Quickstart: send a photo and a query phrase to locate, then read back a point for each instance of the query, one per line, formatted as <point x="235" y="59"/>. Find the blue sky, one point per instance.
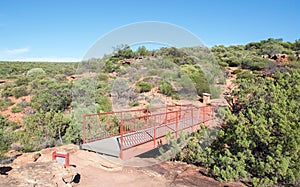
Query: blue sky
<point x="63" y="30"/>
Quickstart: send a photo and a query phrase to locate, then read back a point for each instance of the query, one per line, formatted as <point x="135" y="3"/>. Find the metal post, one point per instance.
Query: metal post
<point x="166" y="120"/>
<point x="192" y="118"/>
<point x="121" y="136"/>
<point x="121" y="139"/>
<point x="84" y="129"/>
<point x="67" y="163"/>
<point x="154" y="138"/>
<point x="54" y="155"/>
<point x="176" y="124"/>
<point x="203" y="114"/>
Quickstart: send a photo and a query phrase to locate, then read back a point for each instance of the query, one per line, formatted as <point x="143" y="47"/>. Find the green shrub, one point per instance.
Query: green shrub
<point x="7" y="89"/>
<point x="135" y="103"/>
<point x="111" y="67"/>
<point x="19" y="91"/>
<point x="223" y="64"/>
<point x="259" y="138"/>
<point x="16" y="109"/>
<point x="154" y="72"/>
<point x="4" y="103"/>
<point x="44" y="130"/>
<point x="52" y="96"/>
<point x="197" y="76"/>
<point x="215" y="91"/>
<point x="104" y="104"/>
<point x="143" y="87"/>
<point x="246" y="74"/>
<point x="233" y="62"/>
<point x="60" y="77"/>
<point x="292" y="58"/>
<point x="73" y="132"/>
<point x="122" y="52"/>
<point x="294" y="64"/>
<point x="7" y="93"/>
<point x="166" y="88"/>
<point x="237" y="71"/>
<point x="255" y="63"/>
<point x="6" y="134"/>
<point x="256" y="72"/>
<point x="103" y="77"/>
<point x="176" y="96"/>
<point x="35" y="72"/>
<point x="22" y="81"/>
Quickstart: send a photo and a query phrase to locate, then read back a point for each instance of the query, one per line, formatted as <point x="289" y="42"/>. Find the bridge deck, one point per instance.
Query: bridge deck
<point x="141" y="141"/>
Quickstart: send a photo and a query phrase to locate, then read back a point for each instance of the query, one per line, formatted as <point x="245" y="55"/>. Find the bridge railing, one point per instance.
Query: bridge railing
<point x="136" y="131"/>
<point x="119" y="123"/>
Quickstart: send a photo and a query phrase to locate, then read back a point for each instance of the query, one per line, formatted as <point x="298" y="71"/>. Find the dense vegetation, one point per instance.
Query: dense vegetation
<point x="249" y="55"/>
<point x="6" y="129"/>
<point x="44" y="122"/>
<point x="258" y="142"/>
<point x="48" y="96"/>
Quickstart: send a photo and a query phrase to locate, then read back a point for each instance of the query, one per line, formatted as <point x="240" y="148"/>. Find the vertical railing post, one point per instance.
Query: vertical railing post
<point x="213" y="112"/>
<point x="147" y="119"/>
<point x="203" y="114"/>
<point x="54" y="155"/>
<point x="154" y="133"/>
<point x="177" y="124"/>
<point x="67" y="162"/>
<point x="121" y="136"/>
<point x="84" y="128"/>
<point x="166" y="120"/>
<point x="192" y="114"/>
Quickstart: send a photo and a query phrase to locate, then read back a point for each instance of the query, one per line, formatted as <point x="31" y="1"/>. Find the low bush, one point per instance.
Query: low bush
<point x="35" y="72"/>
<point x="245" y="75"/>
<point x="19" y="91"/>
<point x="4" y="103"/>
<point x="143" y="87"/>
<point x="22" y="81"/>
<point x="16" y="109"/>
<point x="237" y="71"/>
<point x="167" y="89"/>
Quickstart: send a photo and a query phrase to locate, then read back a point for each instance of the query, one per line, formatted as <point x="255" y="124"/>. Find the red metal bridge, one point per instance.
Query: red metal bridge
<point x="129" y="133"/>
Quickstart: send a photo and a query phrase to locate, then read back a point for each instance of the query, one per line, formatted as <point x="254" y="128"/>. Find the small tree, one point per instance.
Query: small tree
<point x="142" y="51"/>
<point x="35" y="72"/>
<point x="143" y="87"/>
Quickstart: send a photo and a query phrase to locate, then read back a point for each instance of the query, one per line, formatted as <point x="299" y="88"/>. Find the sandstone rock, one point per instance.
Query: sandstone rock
<point x="87" y="169"/>
<point x="25" y="158"/>
<point x="36" y="156"/>
<point x="68" y="178"/>
<point x="7" y="160"/>
<point x="46" y="174"/>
